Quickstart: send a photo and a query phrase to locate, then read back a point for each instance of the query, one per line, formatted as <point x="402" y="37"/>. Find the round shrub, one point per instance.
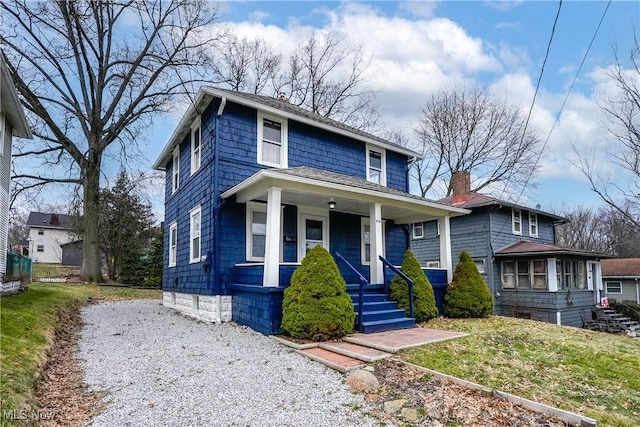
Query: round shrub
<point x="424" y="300"/>
<point x="468" y="294"/>
<point x="316" y="305"/>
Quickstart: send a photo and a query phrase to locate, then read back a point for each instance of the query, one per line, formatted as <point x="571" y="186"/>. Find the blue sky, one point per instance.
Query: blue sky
<point x="418" y="48"/>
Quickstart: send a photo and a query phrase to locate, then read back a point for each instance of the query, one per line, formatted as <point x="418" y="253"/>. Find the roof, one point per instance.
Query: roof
<point x="528" y="248"/>
<point x="274" y="106"/>
<point x="51" y="220"/>
<point x="621" y="267"/>
<point x="11" y="106"/>
<point x="473" y="200"/>
<point x="352" y="194"/>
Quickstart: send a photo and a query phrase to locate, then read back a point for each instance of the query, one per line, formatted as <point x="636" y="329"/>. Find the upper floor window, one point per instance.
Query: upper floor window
<point x="175" y="167"/>
<point x="376" y="170"/>
<point x="41" y="232"/>
<point x="195" y="216"/>
<point x="533" y="224"/>
<point x="196" y="146"/>
<point x="418" y="230"/>
<point x="173" y="244"/>
<point x="272" y="141"/>
<point x="516" y="221"/>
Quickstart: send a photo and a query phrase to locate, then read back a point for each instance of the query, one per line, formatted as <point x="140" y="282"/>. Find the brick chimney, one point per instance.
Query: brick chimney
<point x="460" y="183"/>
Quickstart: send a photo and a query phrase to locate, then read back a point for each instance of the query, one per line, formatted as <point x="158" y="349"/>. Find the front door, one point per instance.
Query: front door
<point x="313" y="231"/>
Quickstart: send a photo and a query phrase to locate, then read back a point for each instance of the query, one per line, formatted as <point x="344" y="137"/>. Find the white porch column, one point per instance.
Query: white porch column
<point x="376" y="269"/>
<point x="272" y="245"/>
<point x="446" y="261"/>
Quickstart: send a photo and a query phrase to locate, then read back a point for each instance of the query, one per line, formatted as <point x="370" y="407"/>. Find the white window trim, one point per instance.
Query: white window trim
<point x="173" y="245"/>
<point x="606" y="287"/>
<point x="196" y="125"/>
<point x="482" y="261"/>
<point x="258" y="207"/>
<point x="175" y="170"/>
<point x="418" y="226"/>
<point x="363" y="254"/>
<point x="383" y="161"/>
<point x="514" y="221"/>
<point x="284" y="156"/>
<point x="533" y="219"/>
<point x="197" y="211"/>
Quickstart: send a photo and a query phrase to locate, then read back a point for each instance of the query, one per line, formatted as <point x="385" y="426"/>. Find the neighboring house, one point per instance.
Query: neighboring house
<point x="621" y="277"/>
<point x="514" y="249"/>
<point x="252" y="183"/>
<point x="12" y="123"/>
<point x="48" y="233"/>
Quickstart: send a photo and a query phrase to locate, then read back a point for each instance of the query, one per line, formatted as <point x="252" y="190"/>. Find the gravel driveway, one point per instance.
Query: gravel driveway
<point x="162" y="369"/>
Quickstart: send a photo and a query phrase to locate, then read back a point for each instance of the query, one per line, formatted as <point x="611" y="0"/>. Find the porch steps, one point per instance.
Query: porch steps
<point x="337" y="361"/>
<point x="378" y="312"/>
<point x="356" y="351"/>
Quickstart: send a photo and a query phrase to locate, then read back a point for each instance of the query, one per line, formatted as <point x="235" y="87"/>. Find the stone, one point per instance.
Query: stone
<point x="410" y="414"/>
<point x="369" y="368"/>
<point x="371" y="398"/>
<point x="362" y="381"/>
<point x="393" y="405"/>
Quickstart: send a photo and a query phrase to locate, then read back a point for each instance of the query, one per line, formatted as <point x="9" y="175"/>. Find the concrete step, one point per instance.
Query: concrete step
<point x="387" y="325"/>
<point x="333" y="360"/>
<point x="366" y="354"/>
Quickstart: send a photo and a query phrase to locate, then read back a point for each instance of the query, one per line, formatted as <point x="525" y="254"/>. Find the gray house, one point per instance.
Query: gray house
<point x="514" y="249"/>
<point x="621" y="277"/>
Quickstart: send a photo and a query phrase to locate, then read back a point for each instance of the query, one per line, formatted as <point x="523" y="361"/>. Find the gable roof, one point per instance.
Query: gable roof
<point x="473" y="200"/>
<point x="621" y="267"/>
<point x="274" y="106"/>
<point x="528" y="248"/>
<point x="50" y="220"/>
<point x="11" y="106"/>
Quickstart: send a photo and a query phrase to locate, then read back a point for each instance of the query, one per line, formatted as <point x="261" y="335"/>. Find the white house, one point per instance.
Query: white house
<point x="48" y="233"/>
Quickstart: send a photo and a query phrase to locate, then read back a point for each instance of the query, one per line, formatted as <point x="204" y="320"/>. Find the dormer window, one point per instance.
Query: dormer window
<point x="376" y="170"/>
<point x="533" y="224"/>
<point x="516" y="221"/>
<point x="272" y="141"/>
<point x="196" y="146"/>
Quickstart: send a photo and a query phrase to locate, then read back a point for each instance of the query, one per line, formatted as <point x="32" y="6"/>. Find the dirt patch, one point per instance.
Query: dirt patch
<point x="62" y="394"/>
<point x="429" y="401"/>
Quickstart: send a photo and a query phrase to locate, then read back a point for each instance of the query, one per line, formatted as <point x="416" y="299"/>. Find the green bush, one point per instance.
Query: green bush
<point x="468" y="294"/>
<point x="316" y="305"/>
<point x="424" y="300"/>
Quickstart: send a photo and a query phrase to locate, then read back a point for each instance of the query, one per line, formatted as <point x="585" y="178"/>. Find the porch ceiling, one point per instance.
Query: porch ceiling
<point x="305" y="186"/>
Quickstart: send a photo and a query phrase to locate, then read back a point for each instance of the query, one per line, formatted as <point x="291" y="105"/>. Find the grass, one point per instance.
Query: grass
<point x="27" y="325"/>
<point x="52" y="270"/>
<point x="591" y="373"/>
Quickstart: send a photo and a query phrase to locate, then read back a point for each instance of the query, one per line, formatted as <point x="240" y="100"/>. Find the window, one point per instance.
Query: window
<point x="524" y="274"/>
<point x="173" y="244"/>
<point x="272" y="141"/>
<point x="175" y="175"/>
<point x="418" y="230"/>
<point x="508" y="275"/>
<point x="195" y="216"/>
<point x="572" y="274"/>
<point x="196" y="146"/>
<point x="256" y="231"/>
<point x="432" y="264"/>
<point x="365" y="247"/>
<point x="613" y="287"/>
<point x="539" y="272"/>
<point x="376" y="170"/>
<point x="533" y="224"/>
<point x="480" y="264"/>
<point x="516" y="221"/>
<point x="41" y="232"/>
<point x="40" y="248"/>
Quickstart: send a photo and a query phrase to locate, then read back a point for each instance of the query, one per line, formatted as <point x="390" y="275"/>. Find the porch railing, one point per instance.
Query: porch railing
<point x="404" y="277"/>
<point x="363" y="283"/>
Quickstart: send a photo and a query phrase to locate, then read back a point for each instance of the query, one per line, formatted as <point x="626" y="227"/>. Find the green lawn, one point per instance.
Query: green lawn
<point x="27" y="325"/>
<point x="591" y="373"/>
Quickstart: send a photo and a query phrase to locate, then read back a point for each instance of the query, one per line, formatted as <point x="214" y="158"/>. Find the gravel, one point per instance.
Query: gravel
<point x="163" y="369"/>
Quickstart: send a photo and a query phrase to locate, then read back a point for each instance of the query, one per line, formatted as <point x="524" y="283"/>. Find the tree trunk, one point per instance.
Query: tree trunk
<point x="91" y="271"/>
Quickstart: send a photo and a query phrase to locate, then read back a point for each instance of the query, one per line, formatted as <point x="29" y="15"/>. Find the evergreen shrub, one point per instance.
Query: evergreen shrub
<point x="316" y="305"/>
<point x="468" y="294"/>
<point x="424" y="300"/>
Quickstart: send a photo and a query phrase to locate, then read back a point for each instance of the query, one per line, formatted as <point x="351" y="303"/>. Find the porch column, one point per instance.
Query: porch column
<point x="376" y="269"/>
<point x="272" y="245"/>
<point x="445" y="247"/>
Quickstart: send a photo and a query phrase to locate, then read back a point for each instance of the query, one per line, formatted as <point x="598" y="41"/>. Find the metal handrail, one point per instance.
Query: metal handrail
<point x="363" y="283"/>
<point x="405" y="278"/>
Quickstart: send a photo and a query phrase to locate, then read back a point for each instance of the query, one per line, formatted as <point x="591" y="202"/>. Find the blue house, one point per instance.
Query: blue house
<point x="252" y="183"/>
<point x="514" y="249"/>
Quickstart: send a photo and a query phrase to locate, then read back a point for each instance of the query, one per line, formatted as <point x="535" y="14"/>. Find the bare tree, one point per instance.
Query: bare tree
<point x="623" y="113"/>
<point x="92" y="75"/>
<point x="468" y="129"/>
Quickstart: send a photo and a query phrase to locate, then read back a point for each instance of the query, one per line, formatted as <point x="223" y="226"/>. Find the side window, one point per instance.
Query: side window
<point x="195" y="216"/>
<point x="256" y="231"/>
<point x="196" y="146"/>
<point x="376" y="166"/>
<point x="516" y="221"/>
<point x="173" y="244"/>
<point x="418" y="230"/>
<point x="272" y="141"/>
<point x="175" y="175"/>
